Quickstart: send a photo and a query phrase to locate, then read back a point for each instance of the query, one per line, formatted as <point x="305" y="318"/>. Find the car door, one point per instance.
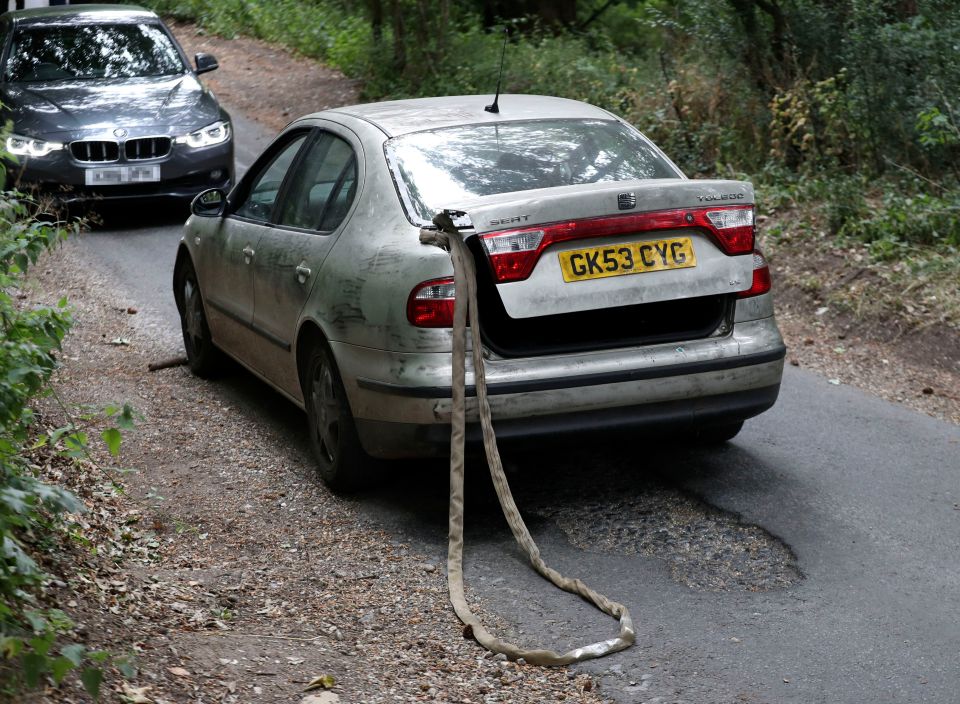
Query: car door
<point x="315" y="206"/>
<point x="227" y="258"/>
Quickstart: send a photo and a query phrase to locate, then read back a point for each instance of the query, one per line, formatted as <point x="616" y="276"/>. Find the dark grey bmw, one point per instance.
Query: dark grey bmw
<point x="104" y="104"/>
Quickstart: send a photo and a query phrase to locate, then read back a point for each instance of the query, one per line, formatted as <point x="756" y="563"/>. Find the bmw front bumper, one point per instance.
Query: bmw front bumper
<point x="184" y="172"/>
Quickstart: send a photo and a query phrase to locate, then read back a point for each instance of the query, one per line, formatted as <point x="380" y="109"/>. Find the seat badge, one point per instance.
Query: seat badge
<point x="626" y="201"/>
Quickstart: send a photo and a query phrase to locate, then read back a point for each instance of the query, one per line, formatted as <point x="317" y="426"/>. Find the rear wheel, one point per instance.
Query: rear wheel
<point x="718" y="434"/>
<point x="341" y="461"/>
<point x="203" y="357"/>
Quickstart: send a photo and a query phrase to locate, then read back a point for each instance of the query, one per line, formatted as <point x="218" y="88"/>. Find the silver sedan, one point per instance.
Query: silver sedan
<point x="614" y="292"/>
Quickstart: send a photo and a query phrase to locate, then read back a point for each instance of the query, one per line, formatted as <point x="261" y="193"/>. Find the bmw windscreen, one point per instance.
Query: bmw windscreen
<point x="82" y="52"/>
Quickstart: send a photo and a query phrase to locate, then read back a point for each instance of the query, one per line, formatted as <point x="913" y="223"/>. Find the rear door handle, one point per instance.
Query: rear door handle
<point x="303" y="273"/>
<point x="248" y="253"/>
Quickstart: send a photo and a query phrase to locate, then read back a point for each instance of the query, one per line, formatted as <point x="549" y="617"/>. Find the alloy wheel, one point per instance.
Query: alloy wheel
<point x="326" y="411"/>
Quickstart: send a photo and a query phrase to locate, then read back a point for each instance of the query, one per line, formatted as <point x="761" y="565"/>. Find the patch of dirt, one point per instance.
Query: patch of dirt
<point x="264" y="82"/>
<point x="707" y="549"/>
<point x="825" y="301"/>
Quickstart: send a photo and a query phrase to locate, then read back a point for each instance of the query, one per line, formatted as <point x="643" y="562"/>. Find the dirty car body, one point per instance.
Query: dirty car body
<point x="104" y="105"/>
<point x="614" y="292"/>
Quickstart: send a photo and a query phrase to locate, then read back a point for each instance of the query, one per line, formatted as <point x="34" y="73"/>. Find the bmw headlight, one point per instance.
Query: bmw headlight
<point x="217" y="133"/>
<point x="18" y="145"/>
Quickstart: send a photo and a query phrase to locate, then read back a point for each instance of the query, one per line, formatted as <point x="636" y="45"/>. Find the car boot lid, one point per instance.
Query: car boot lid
<point x="566" y="249"/>
<point x="549" y="205"/>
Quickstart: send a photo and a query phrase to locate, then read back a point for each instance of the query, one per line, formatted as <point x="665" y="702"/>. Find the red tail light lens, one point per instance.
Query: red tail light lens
<point x="761" y="277"/>
<point x="430" y="304"/>
<point x="514" y="253"/>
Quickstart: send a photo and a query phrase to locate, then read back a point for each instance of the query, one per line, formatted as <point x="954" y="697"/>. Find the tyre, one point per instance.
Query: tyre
<point x="341" y="461"/>
<point x="718" y="434"/>
<point x="203" y="357"/>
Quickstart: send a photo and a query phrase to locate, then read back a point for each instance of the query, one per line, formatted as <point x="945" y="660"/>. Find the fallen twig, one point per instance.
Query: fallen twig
<point x="167" y="363"/>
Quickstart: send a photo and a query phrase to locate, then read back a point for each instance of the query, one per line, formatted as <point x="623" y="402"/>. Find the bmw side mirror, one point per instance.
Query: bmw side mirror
<point x="211" y="203"/>
<point x="205" y="62"/>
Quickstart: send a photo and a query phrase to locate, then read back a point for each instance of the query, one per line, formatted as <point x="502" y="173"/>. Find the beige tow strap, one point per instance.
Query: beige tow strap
<point x="448" y="237"/>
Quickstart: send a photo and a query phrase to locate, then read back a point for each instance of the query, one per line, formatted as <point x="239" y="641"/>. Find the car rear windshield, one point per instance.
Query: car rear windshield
<point x="65" y="52"/>
<point x="442" y="168"/>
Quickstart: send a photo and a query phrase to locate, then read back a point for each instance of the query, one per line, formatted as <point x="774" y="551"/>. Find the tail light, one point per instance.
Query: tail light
<point x="514" y="253"/>
<point x="761" y="277"/>
<point x="430" y="304"/>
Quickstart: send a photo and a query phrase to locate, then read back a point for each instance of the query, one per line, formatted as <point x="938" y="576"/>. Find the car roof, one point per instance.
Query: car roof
<point x="80" y="14"/>
<point x="397" y="117"/>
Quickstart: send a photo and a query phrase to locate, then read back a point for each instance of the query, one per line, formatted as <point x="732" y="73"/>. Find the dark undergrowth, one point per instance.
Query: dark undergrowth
<point x="843" y="112"/>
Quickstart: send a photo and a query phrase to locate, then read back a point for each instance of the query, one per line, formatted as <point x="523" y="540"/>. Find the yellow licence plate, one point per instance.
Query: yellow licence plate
<point x="628" y="258"/>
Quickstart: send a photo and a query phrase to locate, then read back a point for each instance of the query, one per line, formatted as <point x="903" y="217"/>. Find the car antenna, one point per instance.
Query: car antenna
<point x="494" y="107"/>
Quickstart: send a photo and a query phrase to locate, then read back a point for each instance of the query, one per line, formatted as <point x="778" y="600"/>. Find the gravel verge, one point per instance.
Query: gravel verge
<point x="265" y="82"/>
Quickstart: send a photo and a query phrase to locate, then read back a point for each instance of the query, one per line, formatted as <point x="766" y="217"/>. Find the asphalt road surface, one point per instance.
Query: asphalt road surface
<point x="813" y="559"/>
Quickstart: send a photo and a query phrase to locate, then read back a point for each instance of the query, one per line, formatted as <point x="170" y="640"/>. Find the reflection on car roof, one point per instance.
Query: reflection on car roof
<point x="398" y="117"/>
<point x="77" y="14"/>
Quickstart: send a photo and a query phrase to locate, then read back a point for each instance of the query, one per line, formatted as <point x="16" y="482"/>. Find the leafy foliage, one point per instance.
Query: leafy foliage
<point x="904" y="220"/>
<point x="31" y="643"/>
<point x="846" y="92"/>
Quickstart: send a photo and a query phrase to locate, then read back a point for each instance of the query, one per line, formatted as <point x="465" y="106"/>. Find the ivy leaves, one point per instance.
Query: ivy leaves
<point x="32" y="647"/>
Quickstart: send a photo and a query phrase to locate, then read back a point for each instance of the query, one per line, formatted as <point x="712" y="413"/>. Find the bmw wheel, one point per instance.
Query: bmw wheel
<point x="341" y="461"/>
<point x="203" y="357"/>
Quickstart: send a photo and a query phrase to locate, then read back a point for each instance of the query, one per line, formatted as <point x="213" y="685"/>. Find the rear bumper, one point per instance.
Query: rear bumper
<point x="390" y="440"/>
<point x="405" y="409"/>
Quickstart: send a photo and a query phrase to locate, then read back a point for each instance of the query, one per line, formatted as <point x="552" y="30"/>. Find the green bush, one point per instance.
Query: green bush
<point x="851" y="86"/>
<point x="313" y="28"/>
<point x="905" y="220"/>
<point x="32" y="643"/>
<point x="351" y="47"/>
<point x="831" y="105"/>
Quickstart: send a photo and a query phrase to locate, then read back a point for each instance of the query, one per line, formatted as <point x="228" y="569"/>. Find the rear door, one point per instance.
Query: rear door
<point x="315" y="208"/>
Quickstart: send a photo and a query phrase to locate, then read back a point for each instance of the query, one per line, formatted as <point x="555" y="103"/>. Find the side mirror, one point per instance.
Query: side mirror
<point x="205" y="62"/>
<point x="211" y="203"/>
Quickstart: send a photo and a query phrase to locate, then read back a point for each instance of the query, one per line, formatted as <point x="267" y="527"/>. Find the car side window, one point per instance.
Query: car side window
<point x="323" y="187"/>
<point x="262" y="196"/>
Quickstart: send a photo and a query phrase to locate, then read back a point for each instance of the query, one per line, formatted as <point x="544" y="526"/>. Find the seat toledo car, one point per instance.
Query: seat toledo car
<point x="104" y="104"/>
<point x="613" y="291"/>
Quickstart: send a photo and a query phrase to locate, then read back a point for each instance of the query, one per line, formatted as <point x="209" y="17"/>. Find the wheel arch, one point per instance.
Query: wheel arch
<point x="349" y="468"/>
<point x="309" y="334"/>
